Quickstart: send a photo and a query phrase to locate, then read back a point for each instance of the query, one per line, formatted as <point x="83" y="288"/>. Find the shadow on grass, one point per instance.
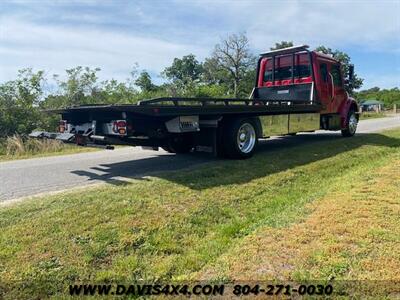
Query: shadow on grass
<point x="273" y="156"/>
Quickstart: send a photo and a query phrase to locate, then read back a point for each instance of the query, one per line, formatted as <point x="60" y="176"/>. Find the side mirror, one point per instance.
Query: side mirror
<point x="351" y="73"/>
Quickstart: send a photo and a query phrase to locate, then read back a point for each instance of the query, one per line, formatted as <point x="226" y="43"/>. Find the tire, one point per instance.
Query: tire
<point x="240" y="138"/>
<point x="351" y="124"/>
<point x="179" y="144"/>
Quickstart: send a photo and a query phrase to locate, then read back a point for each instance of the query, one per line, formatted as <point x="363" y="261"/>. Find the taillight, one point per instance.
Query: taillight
<point x="62" y="126"/>
<point x="119" y="127"/>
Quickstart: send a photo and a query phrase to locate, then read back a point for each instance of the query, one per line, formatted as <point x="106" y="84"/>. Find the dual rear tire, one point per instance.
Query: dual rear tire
<point x="179" y="144"/>
<point x="238" y="139"/>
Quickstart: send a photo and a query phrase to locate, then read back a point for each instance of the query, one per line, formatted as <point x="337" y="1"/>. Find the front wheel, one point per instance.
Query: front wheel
<point x="240" y="138"/>
<point x="351" y="124"/>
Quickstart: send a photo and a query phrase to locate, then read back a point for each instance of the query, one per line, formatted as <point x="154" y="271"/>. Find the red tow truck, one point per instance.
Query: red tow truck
<point x="296" y="90"/>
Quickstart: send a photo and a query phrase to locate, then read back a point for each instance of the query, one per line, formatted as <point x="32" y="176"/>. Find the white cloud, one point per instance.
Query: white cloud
<point x="370" y="24"/>
<point x="56" y="48"/>
<point x="388" y="80"/>
<point x="55" y="36"/>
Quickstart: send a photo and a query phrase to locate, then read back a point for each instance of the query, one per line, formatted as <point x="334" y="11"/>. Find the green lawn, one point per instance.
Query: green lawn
<point x="189" y="224"/>
<point x="372" y="115"/>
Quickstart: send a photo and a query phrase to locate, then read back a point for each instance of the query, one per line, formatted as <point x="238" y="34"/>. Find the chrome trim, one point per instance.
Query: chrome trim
<point x="353" y="123"/>
<point x="246" y="138"/>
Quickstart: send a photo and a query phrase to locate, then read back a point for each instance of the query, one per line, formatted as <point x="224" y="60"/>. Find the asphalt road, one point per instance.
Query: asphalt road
<point x="30" y="177"/>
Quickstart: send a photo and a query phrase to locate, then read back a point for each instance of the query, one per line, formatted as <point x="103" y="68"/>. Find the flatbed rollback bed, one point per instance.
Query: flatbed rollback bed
<point x="296" y="90"/>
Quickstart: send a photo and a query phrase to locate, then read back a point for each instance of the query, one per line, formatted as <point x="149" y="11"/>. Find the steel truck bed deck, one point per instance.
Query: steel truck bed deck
<point x="167" y="107"/>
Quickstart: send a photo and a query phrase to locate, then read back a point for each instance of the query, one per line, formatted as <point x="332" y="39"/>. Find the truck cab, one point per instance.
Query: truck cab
<point x="307" y="74"/>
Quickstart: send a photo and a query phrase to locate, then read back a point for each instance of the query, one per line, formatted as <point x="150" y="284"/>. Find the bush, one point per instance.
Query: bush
<point x="2" y="147"/>
<point x="19" y="146"/>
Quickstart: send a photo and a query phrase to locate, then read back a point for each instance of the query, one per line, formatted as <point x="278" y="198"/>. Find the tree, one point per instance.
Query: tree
<point x="281" y="45"/>
<point x="210" y="91"/>
<point x="387" y="96"/>
<point x="144" y="82"/>
<point x="184" y="70"/>
<point x="80" y="87"/>
<point x="233" y="55"/>
<point x="19" y="101"/>
<point x="113" y="91"/>
<point x="213" y="73"/>
<point x="345" y="61"/>
<point x="375" y="89"/>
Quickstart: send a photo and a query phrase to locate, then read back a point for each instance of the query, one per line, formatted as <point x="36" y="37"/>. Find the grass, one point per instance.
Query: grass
<point x="224" y="220"/>
<point x="372" y="115"/>
<point x="17" y="147"/>
<point x="353" y="232"/>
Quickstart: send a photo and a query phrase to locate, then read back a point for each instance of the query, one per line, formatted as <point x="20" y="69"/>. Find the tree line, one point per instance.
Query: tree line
<point x="229" y="72"/>
<point x="387" y="96"/>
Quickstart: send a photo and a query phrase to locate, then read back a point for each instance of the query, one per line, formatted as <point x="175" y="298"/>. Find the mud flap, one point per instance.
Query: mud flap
<point x="206" y="141"/>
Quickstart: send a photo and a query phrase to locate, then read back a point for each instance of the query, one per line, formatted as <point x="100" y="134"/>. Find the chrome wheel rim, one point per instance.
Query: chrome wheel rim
<point x="246" y="138"/>
<point x="352" y="123"/>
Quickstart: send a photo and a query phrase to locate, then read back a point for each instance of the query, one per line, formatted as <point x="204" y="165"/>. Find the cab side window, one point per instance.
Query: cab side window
<point x="337" y="77"/>
<point x="323" y="71"/>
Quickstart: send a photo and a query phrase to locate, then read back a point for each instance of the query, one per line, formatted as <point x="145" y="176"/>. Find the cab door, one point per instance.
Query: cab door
<point x="325" y="87"/>
<point x="338" y="91"/>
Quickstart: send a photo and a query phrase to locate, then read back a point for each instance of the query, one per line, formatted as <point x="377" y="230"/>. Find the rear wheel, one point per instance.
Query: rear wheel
<point x="351" y="124"/>
<point x="179" y="144"/>
<point x="240" y="139"/>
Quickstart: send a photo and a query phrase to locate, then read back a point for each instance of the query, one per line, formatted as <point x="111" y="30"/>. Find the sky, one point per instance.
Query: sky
<point x="114" y="35"/>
